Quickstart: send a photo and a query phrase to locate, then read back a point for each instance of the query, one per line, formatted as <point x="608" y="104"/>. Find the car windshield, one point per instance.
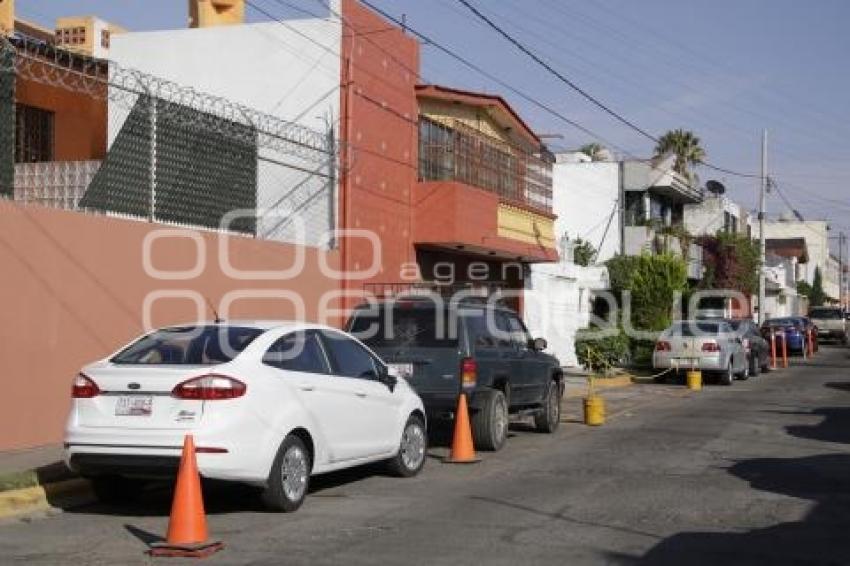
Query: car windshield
<point x="831" y="314"/>
<point x="402" y="327"/>
<point x="694" y="328"/>
<point x="188" y="345"/>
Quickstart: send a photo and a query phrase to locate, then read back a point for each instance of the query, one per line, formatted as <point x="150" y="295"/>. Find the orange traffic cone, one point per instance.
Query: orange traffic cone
<point x="463" y="451"/>
<point x="187" y="526"/>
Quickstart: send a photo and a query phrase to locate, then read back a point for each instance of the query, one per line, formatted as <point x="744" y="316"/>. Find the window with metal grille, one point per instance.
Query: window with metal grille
<point x="104" y="38"/>
<point x="33" y="134"/>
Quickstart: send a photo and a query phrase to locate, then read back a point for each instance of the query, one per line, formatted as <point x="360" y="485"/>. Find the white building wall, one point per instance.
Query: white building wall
<point x="708" y="217"/>
<point x="273" y="68"/>
<point x="584" y="196"/>
<point x="557" y="304"/>
<point x="817" y="242"/>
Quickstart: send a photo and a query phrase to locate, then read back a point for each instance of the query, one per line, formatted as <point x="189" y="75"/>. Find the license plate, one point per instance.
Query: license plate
<point x="404" y="371"/>
<point x="134" y="406"/>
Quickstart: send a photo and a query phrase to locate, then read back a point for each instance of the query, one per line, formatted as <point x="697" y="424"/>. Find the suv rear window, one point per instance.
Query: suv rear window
<point x="188" y="345"/>
<point x="402" y="327"/>
<point x="826" y="313"/>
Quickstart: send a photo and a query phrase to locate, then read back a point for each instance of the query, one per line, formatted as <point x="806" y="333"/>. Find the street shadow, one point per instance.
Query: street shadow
<point x="820" y="537"/>
<point x="153" y="498"/>
<point x="834" y="427"/>
<point x="839" y="385"/>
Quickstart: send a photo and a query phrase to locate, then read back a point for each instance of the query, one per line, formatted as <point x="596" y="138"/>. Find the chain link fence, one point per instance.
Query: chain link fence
<point x="175" y="155"/>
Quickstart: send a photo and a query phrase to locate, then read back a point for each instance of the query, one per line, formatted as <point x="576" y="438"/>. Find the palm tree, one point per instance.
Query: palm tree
<point x="686" y="146"/>
<point x="593" y="151"/>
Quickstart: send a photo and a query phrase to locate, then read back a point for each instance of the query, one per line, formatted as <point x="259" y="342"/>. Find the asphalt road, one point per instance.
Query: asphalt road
<point x="756" y="473"/>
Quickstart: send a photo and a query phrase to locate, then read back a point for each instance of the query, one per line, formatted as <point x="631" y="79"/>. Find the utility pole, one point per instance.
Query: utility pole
<point x="762" y="247"/>
<point x="841" y="282"/>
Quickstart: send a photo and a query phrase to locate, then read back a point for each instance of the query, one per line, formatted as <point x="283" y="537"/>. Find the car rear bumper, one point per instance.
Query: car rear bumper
<point x="712" y="363"/>
<point x="93" y="451"/>
<point x="88" y="465"/>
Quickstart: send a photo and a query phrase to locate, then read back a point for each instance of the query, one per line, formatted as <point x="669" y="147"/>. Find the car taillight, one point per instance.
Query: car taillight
<point x="663" y="346"/>
<point x="84" y="388"/>
<point x="468" y="373"/>
<point x="211" y="387"/>
<point x="711" y="347"/>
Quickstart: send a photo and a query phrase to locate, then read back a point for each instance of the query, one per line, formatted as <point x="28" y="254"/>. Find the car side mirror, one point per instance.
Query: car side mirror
<point x="388" y="379"/>
<point x="538" y="344"/>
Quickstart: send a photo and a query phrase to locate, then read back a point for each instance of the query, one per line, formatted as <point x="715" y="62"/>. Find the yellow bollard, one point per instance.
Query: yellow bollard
<point x="694" y="377"/>
<point x="594" y="410"/>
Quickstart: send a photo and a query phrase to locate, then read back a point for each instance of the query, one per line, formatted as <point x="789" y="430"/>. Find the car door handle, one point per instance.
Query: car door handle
<point x="360" y="394"/>
<point x="307" y="387"/>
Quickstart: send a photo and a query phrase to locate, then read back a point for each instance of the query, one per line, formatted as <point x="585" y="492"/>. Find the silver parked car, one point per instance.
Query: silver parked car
<point x="708" y="345"/>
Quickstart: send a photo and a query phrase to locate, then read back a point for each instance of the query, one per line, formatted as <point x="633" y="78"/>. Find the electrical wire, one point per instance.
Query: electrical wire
<point x="519" y="45"/>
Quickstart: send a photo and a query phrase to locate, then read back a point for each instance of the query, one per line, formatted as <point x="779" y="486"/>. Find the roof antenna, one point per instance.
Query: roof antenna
<point x="218" y="319"/>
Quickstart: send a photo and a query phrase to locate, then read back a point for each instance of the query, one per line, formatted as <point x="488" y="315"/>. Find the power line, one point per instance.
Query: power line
<point x="469" y="64"/>
<point x="519" y="45"/>
<point x="553" y="71"/>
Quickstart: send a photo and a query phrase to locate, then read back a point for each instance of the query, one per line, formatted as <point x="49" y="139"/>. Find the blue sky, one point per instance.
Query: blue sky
<point x="722" y="68"/>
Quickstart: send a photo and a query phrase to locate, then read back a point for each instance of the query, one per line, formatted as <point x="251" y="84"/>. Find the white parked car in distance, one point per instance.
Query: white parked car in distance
<point x="268" y="404"/>
<point x="708" y="345"/>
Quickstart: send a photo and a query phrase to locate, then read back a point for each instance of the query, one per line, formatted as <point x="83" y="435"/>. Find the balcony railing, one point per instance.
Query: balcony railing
<point x="58" y="184"/>
<point x="460" y="153"/>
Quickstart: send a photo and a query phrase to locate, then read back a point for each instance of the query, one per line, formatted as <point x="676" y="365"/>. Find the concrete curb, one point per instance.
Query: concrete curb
<point x="62" y="494"/>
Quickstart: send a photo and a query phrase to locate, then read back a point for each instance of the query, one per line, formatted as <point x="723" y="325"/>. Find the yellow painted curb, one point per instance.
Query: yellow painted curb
<point x="39" y="497"/>
<point x="606" y="383"/>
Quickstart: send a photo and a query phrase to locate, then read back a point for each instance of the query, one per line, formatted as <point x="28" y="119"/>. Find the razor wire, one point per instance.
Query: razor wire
<point x="105" y="79"/>
<point x="176" y="155"/>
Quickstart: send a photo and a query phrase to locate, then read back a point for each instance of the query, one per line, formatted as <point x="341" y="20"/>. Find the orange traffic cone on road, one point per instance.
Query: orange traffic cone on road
<point x="463" y="450"/>
<point x="187" y="527"/>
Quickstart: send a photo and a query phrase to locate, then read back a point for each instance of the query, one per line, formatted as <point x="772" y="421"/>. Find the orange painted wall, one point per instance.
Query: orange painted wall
<point x="80" y="121"/>
<point x="72" y="290"/>
<point x="380" y="130"/>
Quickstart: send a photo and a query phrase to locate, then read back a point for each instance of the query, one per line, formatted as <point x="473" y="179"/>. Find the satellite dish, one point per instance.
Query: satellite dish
<point x="715" y="187"/>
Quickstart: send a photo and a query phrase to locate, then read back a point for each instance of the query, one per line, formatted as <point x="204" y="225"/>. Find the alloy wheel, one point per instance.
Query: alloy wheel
<point x="413" y="445"/>
<point x="294" y="473"/>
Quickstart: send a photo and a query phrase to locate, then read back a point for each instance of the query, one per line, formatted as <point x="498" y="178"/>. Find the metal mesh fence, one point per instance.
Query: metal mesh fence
<point x="177" y="155"/>
<point x="7" y="121"/>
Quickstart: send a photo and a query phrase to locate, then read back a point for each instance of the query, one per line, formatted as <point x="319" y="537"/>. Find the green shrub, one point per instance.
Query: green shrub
<point x="599" y="355"/>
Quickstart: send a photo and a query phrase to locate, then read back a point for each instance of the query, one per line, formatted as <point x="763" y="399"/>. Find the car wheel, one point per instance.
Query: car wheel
<point x="728" y="377"/>
<point x="745" y="373"/>
<point x="411" y="453"/>
<point x="550" y="416"/>
<point x="115" y="489"/>
<point x="289" y="477"/>
<point x="755" y="365"/>
<point x="490" y="423"/>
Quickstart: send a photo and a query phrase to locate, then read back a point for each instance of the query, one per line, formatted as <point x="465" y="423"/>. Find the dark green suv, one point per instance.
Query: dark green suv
<point x="470" y="345"/>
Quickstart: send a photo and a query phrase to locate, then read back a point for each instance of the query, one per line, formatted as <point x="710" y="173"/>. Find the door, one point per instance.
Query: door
<point x="376" y="423"/>
<point x="492" y="355"/>
<point x="532" y="369"/>
<point x="328" y="399"/>
<point x="513" y="358"/>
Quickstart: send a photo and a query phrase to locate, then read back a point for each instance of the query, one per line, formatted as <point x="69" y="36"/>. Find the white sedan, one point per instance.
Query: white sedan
<point x="268" y="403"/>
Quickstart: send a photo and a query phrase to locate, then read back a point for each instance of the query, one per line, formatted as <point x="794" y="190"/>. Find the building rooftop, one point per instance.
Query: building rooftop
<point x="499" y="109"/>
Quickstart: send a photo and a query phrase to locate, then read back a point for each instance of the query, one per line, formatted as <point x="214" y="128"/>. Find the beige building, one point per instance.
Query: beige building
<point x="88" y="35"/>
<point x="816" y="235"/>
